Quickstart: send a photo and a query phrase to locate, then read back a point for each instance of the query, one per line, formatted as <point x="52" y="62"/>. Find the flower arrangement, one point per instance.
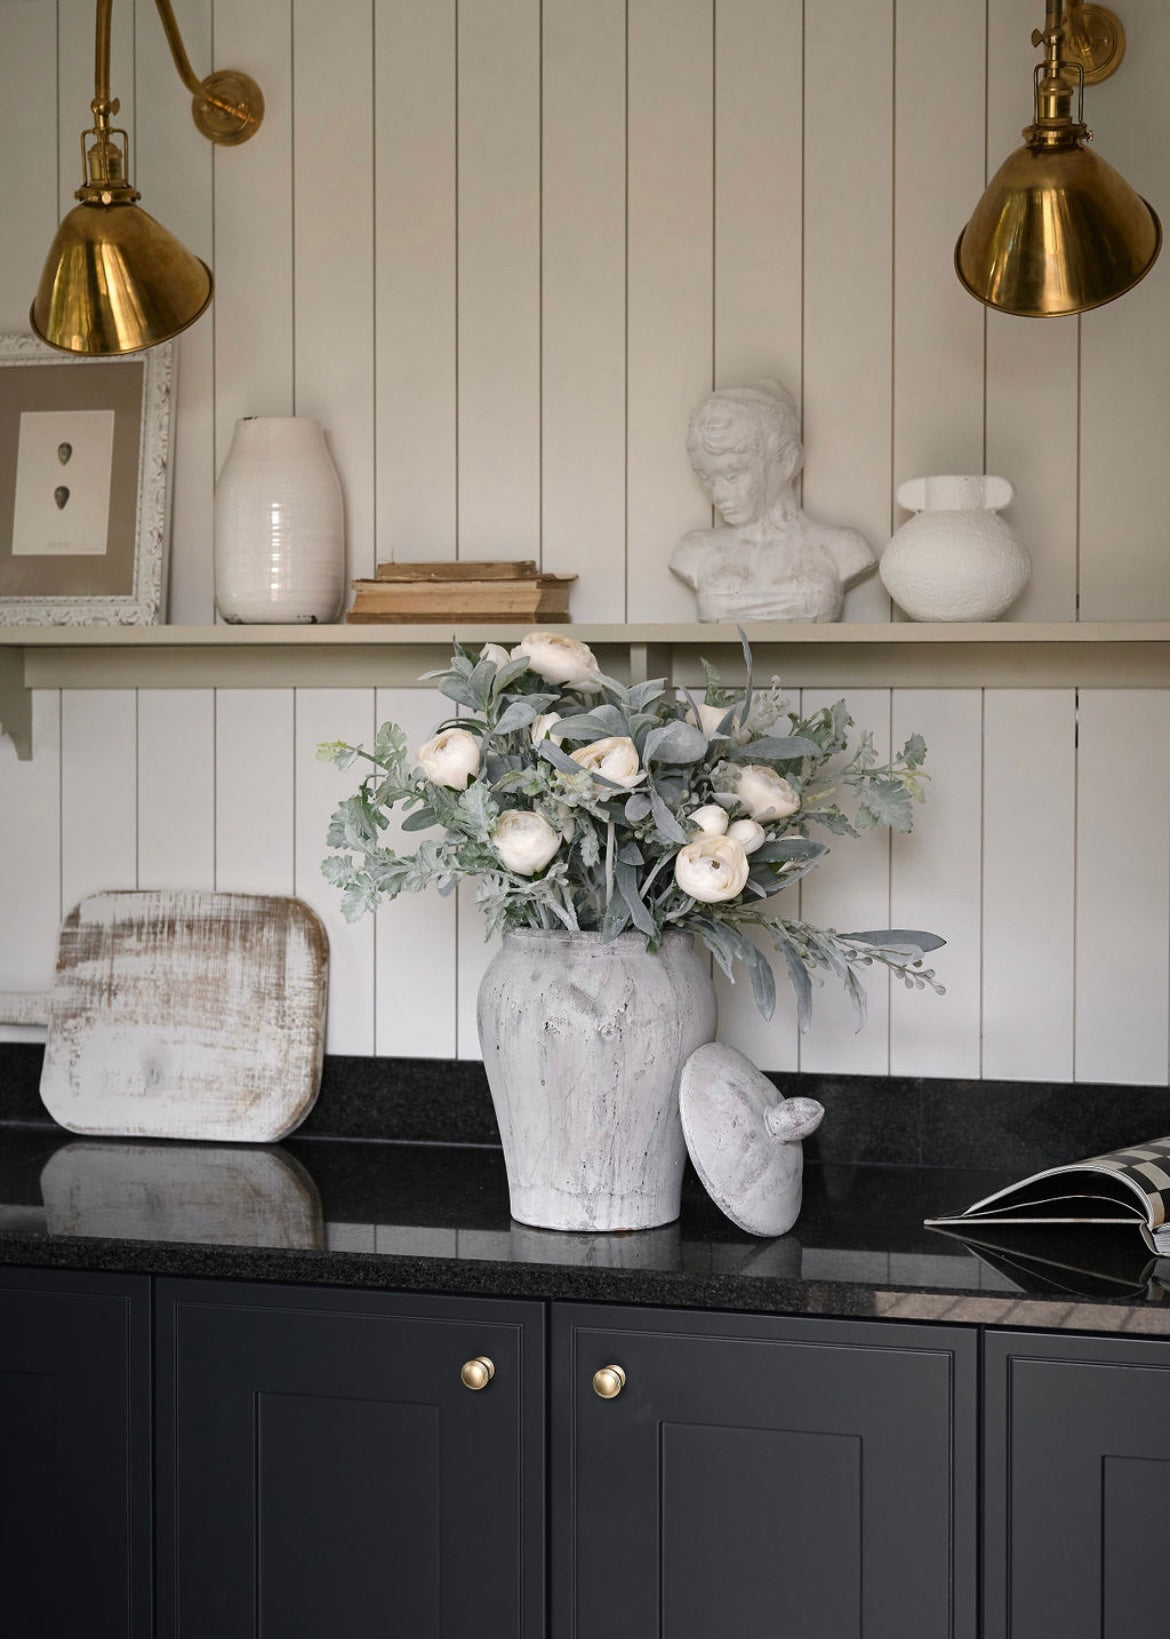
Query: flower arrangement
<point x="577" y="802"/>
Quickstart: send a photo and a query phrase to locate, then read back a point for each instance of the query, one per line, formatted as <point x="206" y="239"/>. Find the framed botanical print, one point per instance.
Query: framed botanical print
<point x="84" y="485"/>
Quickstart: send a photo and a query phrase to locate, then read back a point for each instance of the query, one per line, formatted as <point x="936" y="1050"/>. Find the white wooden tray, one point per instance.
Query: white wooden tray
<point x="187" y="1015"/>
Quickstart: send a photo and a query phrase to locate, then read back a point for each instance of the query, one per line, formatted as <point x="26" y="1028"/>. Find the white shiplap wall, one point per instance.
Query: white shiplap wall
<point x="500" y="248"/>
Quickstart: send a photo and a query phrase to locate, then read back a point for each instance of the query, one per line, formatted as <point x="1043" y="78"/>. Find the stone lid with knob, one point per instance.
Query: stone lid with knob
<point x="745" y="1139"/>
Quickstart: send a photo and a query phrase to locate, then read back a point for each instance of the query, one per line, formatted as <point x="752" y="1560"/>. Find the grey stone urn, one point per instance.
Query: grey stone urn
<point x="583" y="1044"/>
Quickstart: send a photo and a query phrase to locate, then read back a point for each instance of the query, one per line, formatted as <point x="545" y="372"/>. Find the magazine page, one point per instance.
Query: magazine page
<point x="1124" y="1186"/>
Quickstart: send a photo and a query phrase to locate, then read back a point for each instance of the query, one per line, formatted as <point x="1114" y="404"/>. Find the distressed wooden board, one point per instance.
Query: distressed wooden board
<point x="168" y="1192"/>
<point x="187" y="1015"/>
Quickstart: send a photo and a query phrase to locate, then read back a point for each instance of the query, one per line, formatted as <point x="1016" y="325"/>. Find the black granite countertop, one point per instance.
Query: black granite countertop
<point x="434" y="1218"/>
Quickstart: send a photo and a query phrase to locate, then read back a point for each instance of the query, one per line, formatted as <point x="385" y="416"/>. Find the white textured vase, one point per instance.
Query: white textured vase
<point x="583" y="1044"/>
<point x="279" y="525"/>
<point x="957" y="560"/>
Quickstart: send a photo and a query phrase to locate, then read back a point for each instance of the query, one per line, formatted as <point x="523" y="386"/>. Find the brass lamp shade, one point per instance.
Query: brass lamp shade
<point x="116" y="281"/>
<point x="1058" y="231"/>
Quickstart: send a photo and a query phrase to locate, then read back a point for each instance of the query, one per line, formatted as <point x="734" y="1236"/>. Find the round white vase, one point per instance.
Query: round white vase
<point x="583" y="1044"/>
<point x="279" y="525"/>
<point x="957" y="559"/>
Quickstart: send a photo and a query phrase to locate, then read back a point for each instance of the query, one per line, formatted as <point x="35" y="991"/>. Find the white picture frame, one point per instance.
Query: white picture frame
<point x="107" y="421"/>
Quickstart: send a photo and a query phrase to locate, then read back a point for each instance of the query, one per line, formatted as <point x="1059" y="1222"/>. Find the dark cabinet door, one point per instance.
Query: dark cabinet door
<point x="324" y="1471"/>
<point x="74" y="1456"/>
<point x="1077" y="1484"/>
<point x="755" y="1477"/>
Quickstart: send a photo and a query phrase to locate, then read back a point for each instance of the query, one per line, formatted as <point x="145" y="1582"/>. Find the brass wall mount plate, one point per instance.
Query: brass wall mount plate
<point x="1095" y="38"/>
<point x="228" y="107"/>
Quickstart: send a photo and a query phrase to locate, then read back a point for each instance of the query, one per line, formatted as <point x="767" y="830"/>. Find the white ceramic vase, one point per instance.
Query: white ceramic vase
<point x="279" y="525"/>
<point x="957" y="559"/>
<point x="583" y="1044"/>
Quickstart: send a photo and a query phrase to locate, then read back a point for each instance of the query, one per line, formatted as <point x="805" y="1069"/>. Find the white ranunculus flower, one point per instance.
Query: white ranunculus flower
<point x="711" y="869"/>
<point x="710" y="819"/>
<point x="496" y="653"/>
<point x="710" y="717"/>
<point x="524" y="842"/>
<point x="748" y="833"/>
<point x="615" y="758"/>
<point x="542" y="728"/>
<point x="764" y="794"/>
<point x="451" y="758"/>
<point x="560" y="659"/>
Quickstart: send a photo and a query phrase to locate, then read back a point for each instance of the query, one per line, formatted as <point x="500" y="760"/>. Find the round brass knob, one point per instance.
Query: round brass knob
<point x="609" y="1382"/>
<point x="477" y="1373"/>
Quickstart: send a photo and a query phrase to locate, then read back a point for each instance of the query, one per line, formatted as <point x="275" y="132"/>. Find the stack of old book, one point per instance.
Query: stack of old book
<point x="447" y="592"/>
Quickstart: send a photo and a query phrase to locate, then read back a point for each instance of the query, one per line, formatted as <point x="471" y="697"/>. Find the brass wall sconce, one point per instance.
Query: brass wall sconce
<point x="115" y="280"/>
<point x="1059" y="231"/>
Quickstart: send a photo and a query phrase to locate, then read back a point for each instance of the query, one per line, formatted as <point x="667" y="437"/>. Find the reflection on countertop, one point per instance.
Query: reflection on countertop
<point x="435" y="1217"/>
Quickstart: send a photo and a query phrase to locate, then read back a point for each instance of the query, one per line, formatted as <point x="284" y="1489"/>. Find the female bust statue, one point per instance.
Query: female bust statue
<point x="772" y="561"/>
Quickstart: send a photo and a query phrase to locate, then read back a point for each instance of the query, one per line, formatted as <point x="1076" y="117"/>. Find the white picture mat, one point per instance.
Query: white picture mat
<point x="41" y="527"/>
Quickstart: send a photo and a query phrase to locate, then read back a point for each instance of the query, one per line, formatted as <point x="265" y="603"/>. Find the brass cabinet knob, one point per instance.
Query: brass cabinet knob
<point x="609" y="1382"/>
<point x="477" y="1373"/>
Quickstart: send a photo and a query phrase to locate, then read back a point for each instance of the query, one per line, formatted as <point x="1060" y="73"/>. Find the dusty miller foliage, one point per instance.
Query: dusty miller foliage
<point x="614" y="870"/>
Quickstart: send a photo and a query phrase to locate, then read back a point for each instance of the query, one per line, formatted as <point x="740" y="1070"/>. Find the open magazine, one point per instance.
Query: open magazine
<point x="1123" y="1187"/>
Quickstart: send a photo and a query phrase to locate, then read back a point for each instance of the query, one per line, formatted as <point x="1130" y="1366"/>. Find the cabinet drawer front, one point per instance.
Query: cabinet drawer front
<point x="324" y="1470"/>
<point x="74" y="1456"/>
<point x="758" y="1476"/>
<point x="1078" y="1476"/>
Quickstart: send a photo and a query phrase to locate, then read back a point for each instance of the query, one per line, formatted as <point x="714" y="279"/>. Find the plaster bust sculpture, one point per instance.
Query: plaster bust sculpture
<point x="771" y="561"/>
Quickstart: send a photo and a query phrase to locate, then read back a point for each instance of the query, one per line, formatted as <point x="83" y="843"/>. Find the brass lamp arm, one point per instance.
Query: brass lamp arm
<point x="227" y="106"/>
<point x="178" y="50"/>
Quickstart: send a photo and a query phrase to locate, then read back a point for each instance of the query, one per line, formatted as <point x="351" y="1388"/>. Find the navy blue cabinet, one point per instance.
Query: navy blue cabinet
<point x="75" y="1551"/>
<point x="324" y="1469"/>
<point x="1078" y="1476"/>
<point x="755" y="1476"/>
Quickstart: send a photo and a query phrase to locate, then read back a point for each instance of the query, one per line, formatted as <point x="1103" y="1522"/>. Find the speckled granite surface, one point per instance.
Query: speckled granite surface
<point x="870" y="1120"/>
<point x="434" y="1218"/>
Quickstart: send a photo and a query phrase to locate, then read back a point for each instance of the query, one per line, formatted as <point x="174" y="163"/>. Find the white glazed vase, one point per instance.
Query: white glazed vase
<point x="583" y="1043"/>
<point x="279" y="525"/>
<point x="957" y="559"/>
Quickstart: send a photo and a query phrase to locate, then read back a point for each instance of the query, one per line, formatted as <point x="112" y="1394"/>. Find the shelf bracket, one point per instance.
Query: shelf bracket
<point x="649" y="660"/>
<point x="15" y="703"/>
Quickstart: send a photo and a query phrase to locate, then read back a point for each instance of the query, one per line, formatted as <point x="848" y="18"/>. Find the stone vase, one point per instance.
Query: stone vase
<point x="583" y="1044"/>
<point x="957" y="559"/>
<point x="279" y="525"/>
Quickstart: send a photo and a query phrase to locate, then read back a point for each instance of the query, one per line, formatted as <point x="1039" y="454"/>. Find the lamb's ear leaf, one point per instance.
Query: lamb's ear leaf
<point x="419" y="820"/>
<point x="763" y="981"/>
<point x="597" y="724"/>
<point x="665" y="821"/>
<point x="775" y="749"/>
<point x="460" y="690"/>
<point x="789" y="848"/>
<point x="899" y="939"/>
<point x="675" y="742"/>
<point x="520" y="713"/>
<point x="797" y="972"/>
<point x="747" y="660"/>
<point x="643" y="693"/>
<point x="616" y="918"/>
<point x="509" y="673"/>
<point x="627" y="882"/>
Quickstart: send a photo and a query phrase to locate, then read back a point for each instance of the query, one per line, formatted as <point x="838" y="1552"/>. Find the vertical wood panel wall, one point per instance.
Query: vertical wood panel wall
<point x="501" y="248"/>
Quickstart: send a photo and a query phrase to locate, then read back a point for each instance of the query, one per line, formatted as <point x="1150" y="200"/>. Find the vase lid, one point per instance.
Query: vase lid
<point x="744" y="1138"/>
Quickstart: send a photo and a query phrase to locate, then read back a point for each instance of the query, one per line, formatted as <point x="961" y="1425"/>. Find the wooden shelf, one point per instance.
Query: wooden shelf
<point x="1115" y="654"/>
